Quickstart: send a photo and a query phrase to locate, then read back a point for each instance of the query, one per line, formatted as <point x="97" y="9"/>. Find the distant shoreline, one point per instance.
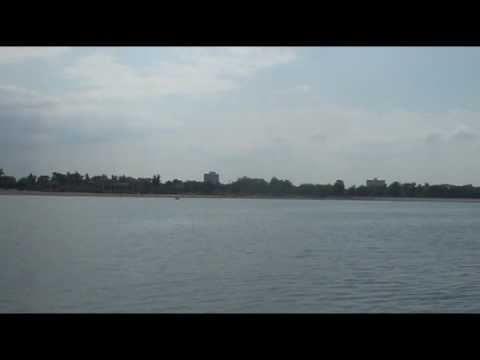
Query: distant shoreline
<point x="206" y="196"/>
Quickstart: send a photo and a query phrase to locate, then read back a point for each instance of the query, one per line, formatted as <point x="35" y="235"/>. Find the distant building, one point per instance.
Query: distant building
<point x="211" y="178"/>
<point x="43" y="180"/>
<point x="376" y="183"/>
<point x="7" y="182"/>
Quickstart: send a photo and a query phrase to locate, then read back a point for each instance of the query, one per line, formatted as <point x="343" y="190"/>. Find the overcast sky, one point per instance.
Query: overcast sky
<point x="307" y="114"/>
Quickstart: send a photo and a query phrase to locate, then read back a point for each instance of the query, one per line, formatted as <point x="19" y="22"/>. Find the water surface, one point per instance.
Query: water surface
<point x="93" y="254"/>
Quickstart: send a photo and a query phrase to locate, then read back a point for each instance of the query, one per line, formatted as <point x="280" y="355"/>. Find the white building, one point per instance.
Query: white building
<point x="211" y="178"/>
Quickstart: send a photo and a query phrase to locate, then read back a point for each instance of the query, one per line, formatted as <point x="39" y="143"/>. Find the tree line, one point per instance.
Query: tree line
<point x="244" y="186"/>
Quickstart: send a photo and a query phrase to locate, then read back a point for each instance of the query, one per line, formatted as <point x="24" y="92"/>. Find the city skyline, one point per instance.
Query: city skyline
<point x="214" y="177"/>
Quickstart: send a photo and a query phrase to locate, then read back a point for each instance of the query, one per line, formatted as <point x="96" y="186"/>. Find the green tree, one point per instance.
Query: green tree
<point x="362" y="190"/>
<point x="408" y="189"/>
<point x="22" y="183"/>
<point x="156" y="180"/>
<point x="307" y="190"/>
<point x="59" y="178"/>
<point x="77" y="178"/>
<point x="31" y="180"/>
<point x="339" y="188"/>
<point x="280" y="187"/>
<point x="394" y="189"/>
<point x="351" y="191"/>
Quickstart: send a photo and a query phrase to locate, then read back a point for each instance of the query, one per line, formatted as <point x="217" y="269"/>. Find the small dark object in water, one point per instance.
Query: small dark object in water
<point x="177" y="197"/>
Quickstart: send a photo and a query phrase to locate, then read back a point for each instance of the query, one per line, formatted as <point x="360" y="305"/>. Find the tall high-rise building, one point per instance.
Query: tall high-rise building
<point x="211" y="178"/>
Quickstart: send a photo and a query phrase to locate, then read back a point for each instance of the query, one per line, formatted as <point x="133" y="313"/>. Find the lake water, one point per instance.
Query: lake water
<point x="93" y="254"/>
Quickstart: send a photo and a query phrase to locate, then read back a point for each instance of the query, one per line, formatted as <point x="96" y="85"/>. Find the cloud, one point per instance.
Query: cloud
<point x="29" y="118"/>
<point x="464" y="134"/>
<point x="113" y="101"/>
<point x="16" y="98"/>
<point x="15" y="54"/>
<point x="117" y="117"/>
<point x="195" y="71"/>
<point x="461" y="134"/>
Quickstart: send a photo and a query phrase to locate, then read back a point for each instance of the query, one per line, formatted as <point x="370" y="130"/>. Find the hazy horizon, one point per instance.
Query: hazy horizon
<point x="310" y="115"/>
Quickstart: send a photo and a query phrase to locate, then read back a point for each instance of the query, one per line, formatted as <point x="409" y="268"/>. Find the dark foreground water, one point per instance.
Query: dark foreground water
<point x="87" y="254"/>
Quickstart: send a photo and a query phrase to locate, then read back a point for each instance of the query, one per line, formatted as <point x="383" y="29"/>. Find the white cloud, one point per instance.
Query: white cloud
<point x="17" y="98"/>
<point x="194" y="71"/>
<point x="114" y="111"/>
<point x="464" y="133"/>
<point x="15" y="54"/>
<point x="315" y="144"/>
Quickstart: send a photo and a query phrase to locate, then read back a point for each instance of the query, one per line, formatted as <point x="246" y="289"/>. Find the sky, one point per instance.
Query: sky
<point x="308" y="114"/>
